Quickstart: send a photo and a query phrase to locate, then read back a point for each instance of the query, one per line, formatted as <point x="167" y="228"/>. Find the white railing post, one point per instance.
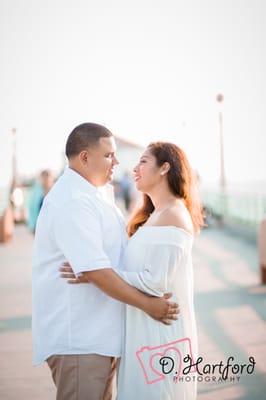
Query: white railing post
<point x="262" y="250"/>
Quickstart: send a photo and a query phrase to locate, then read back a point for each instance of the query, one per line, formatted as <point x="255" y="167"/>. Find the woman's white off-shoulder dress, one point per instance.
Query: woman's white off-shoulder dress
<point x="158" y="260"/>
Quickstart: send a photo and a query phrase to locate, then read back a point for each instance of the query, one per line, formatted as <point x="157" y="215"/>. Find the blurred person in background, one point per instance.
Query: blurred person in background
<point x="126" y="185"/>
<point x="39" y="190"/>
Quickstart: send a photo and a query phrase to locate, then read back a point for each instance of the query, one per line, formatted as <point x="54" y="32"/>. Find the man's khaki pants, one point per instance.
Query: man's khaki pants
<point x="83" y="377"/>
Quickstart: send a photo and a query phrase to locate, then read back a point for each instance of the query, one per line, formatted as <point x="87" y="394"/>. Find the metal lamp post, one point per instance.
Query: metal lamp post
<point x="14" y="160"/>
<point x="222" y="183"/>
<point x="220" y="99"/>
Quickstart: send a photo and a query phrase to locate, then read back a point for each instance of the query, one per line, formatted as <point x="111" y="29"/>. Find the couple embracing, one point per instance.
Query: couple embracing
<point x="109" y="299"/>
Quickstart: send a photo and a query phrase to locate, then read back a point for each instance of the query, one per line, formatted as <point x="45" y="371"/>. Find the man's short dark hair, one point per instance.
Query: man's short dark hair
<point x="84" y="136"/>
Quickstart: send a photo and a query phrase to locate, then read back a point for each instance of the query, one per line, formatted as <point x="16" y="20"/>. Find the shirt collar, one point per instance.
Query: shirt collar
<point x="82" y="183"/>
<point x="104" y="192"/>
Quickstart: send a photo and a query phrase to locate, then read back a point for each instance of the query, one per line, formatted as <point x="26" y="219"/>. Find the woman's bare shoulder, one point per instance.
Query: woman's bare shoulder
<point x="176" y="216"/>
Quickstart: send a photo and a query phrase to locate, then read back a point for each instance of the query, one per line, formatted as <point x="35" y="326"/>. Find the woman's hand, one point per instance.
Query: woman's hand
<point x="162" y="309"/>
<point x="68" y="273"/>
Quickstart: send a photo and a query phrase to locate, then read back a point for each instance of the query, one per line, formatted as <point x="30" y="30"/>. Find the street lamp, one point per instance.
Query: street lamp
<point x="220" y="99"/>
<point x="14" y="160"/>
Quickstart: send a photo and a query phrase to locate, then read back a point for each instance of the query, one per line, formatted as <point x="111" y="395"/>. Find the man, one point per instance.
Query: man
<point x="78" y="329"/>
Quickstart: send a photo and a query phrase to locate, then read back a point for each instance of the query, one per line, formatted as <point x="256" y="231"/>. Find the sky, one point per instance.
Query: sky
<point x="147" y="69"/>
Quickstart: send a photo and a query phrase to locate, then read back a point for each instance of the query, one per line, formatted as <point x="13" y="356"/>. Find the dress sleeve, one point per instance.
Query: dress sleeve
<point x="161" y="262"/>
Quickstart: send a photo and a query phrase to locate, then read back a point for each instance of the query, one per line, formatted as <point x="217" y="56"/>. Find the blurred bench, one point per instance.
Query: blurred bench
<point x="6" y="217"/>
<point x="6" y="225"/>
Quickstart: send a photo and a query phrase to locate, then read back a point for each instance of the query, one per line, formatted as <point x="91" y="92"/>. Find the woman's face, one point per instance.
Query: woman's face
<point x="146" y="173"/>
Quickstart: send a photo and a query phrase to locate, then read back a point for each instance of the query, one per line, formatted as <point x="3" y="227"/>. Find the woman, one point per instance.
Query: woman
<point x="161" y="236"/>
<point x="158" y="260"/>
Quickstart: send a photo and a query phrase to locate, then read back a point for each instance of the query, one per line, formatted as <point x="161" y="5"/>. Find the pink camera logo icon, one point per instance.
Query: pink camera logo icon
<point x="165" y="360"/>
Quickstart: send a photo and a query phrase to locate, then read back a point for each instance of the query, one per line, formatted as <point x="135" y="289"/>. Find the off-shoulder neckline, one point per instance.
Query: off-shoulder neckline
<point x="168" y="226"/>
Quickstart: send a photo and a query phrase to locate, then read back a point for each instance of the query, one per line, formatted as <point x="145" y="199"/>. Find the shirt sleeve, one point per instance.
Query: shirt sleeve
<point x="161" y="264"/>
<point x="78" y="234"/>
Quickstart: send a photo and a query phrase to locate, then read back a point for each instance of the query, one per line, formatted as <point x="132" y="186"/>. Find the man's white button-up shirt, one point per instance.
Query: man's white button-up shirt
<point x="80" y="224"/>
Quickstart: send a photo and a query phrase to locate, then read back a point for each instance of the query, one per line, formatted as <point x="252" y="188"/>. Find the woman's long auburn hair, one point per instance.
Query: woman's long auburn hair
<point x="182" y="182"/>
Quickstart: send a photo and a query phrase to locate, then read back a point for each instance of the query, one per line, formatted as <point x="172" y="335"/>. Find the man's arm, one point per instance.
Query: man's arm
<point x="159" y="308"/>
<point x="110" y="282"/>
<point x="78" y="234"/>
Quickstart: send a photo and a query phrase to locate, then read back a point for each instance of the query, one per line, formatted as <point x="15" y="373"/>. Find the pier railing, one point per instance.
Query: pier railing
<point x="243" y="210"/>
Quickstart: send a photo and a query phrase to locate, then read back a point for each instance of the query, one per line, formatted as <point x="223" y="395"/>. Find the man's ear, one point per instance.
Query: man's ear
<point x="83" y="156"/>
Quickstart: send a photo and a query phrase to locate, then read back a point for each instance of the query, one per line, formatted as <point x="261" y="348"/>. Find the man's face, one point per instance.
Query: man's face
<point x="101" y="161"/>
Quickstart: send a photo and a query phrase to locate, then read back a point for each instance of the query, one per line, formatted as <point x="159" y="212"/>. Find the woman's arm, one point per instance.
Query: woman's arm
<point x="162" y="262"/>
